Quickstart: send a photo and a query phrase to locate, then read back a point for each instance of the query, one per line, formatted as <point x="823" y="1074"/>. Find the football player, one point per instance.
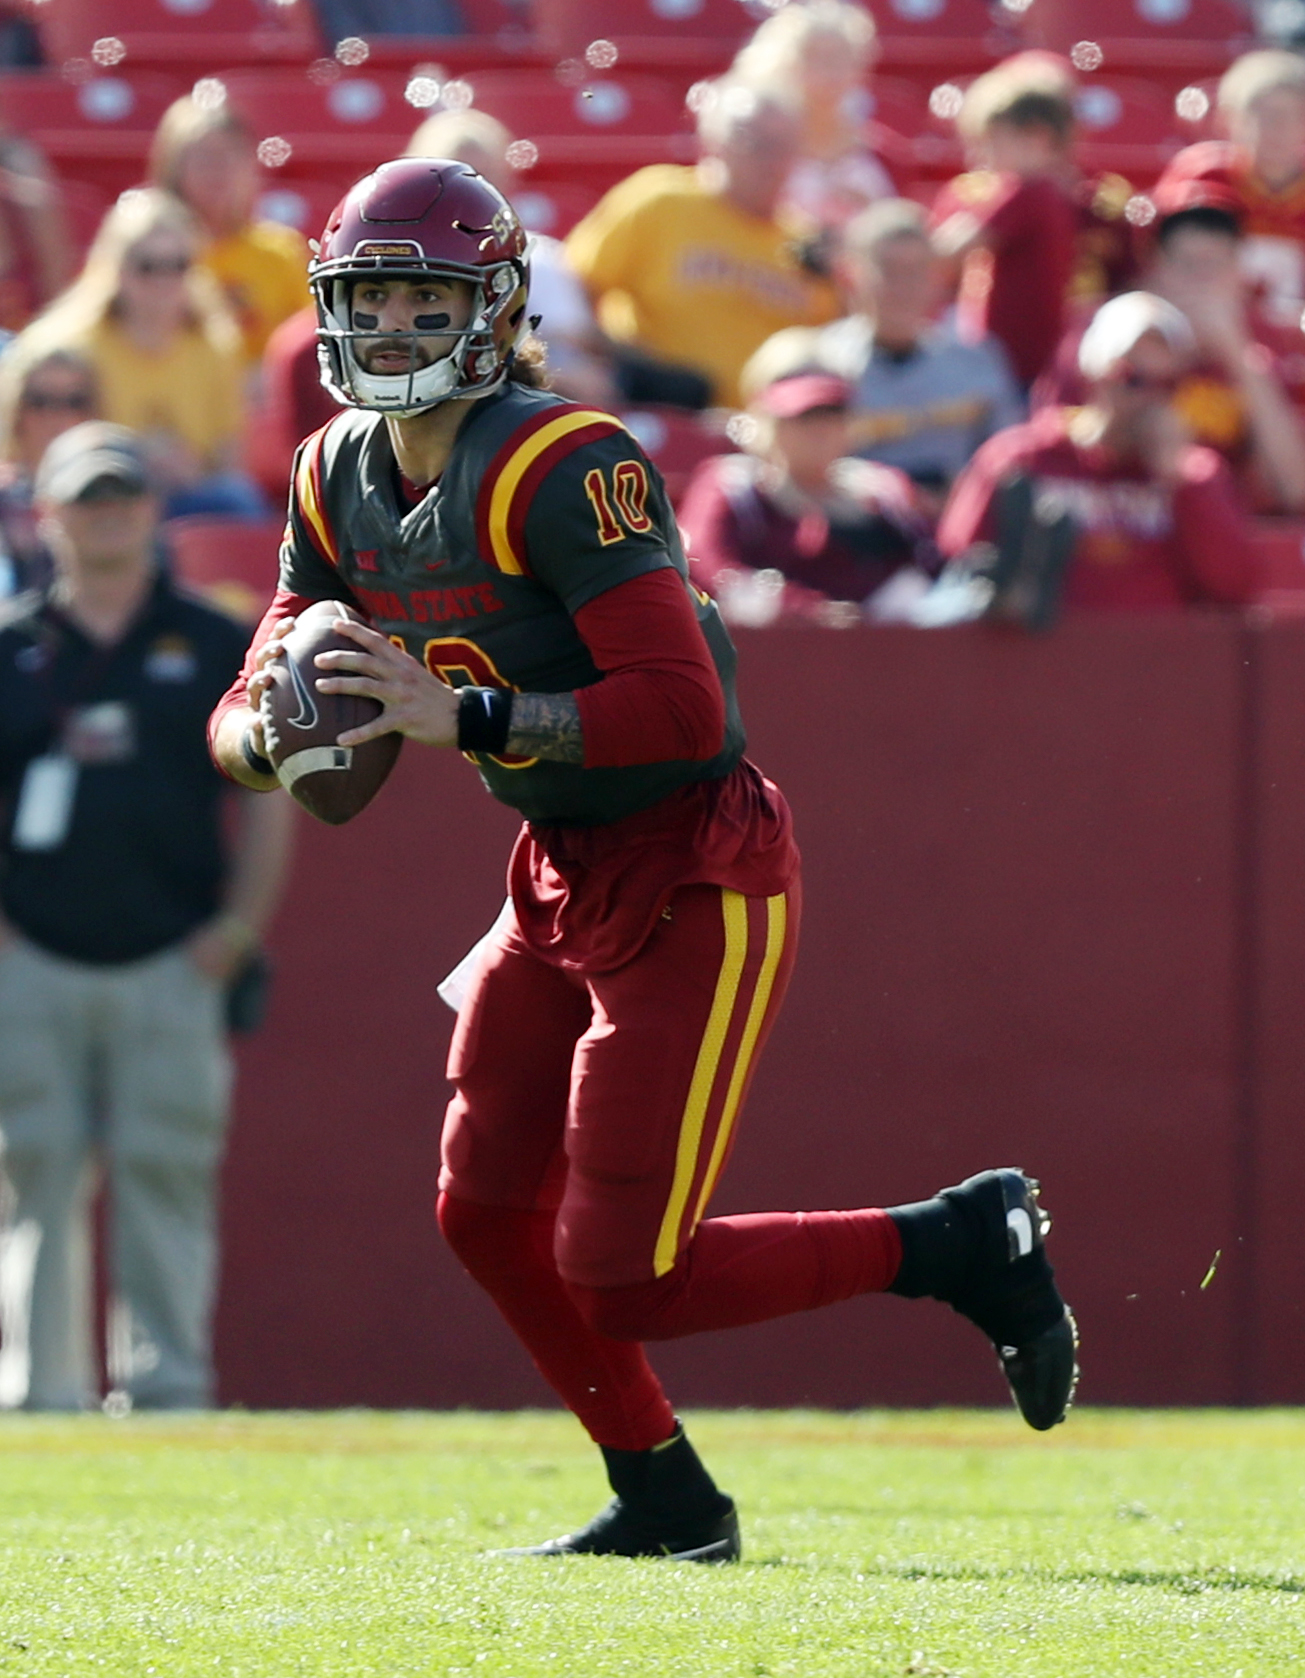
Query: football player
<point x="530" y="605"/>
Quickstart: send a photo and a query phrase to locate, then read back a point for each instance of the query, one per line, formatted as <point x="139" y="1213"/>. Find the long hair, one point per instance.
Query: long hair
<point x="185" y="122"/>
<point x="18" y="366"/>
<point x="530" y="364"/>
<point x="92" y="298"/>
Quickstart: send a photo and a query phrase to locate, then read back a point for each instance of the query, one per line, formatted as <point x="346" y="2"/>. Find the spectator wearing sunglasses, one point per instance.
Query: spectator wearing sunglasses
<point x="166" y="352"/>
<point x="39" y="400"/>
<point x="1159" y="519"/>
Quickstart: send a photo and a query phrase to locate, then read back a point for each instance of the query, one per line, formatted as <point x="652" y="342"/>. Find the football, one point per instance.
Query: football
<point x="301" y="726"/>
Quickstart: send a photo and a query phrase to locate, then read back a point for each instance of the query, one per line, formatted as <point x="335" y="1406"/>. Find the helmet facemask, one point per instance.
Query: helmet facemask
<point x="475" y="366"/>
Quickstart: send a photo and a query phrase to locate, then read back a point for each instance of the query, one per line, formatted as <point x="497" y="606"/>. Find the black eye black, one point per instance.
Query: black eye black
<point x="431" y="323"/>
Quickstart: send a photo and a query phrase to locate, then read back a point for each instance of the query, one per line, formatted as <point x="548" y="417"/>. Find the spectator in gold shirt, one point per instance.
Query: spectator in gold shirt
<point x="204" y="153"/>
<point x="164" y="349"/>
<point x="692" y="265"/>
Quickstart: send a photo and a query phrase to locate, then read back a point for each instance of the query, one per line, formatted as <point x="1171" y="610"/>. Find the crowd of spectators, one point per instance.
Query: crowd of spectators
<point x="786" y="290"/>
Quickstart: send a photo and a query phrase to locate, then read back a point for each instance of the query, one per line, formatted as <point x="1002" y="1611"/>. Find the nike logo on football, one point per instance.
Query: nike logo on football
<point x="1020" y="1226"/>
<point x="307" y="717"/>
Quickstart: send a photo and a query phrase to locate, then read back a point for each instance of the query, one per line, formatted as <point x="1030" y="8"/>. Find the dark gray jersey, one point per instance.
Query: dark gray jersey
<point x="544" y="505"/>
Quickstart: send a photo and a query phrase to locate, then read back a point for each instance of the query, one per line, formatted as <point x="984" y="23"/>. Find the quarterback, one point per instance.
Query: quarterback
<point x="529" y="604"/>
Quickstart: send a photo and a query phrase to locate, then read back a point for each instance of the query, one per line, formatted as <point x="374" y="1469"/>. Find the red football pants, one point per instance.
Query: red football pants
<point x="591" y="1121"/>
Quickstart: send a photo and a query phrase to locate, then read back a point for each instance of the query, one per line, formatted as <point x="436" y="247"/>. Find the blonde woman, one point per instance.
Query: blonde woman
<point x="822" y="54"/>
<point x="165" y="351"/>
<point x="205" y="155"/>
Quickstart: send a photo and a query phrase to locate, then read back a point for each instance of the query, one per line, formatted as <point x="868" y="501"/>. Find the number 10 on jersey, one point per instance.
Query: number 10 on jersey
<point x="622" y="506"/>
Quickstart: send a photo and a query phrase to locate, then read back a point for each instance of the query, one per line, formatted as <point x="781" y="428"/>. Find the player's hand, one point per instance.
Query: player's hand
<point x="416" y="703"/>
<point x="261" y="680"/>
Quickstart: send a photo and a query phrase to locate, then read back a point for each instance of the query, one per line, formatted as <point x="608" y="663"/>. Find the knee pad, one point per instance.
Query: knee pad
<point x="629" y="1313"/>
<point x="491" y="1240"/>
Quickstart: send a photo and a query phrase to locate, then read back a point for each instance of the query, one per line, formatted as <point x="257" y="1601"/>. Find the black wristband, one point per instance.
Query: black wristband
<point x="484" y="719"/>
<point x="257" y="762"/>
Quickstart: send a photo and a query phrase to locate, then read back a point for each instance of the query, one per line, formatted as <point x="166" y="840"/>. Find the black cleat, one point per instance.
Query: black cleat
<point x="980" y="1247"/>
<point x="666" y="1506"/>
<point x="617" y="1531"/>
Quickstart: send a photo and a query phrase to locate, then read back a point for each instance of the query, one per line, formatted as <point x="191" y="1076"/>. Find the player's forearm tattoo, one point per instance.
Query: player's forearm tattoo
<point x="546" y="725"/>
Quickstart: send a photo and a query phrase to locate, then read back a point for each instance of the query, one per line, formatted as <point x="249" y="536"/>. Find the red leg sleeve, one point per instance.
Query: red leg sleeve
<point x="608" y="1385"/>
<point x="749" y="1269"/>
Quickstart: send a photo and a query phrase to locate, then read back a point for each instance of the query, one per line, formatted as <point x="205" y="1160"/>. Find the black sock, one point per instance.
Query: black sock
<point x="942" y="1239"/>
<point x="668" y="1481"/>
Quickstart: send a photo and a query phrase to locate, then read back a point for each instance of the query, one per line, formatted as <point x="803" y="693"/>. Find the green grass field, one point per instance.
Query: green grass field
<point x="1152" y="1545"/>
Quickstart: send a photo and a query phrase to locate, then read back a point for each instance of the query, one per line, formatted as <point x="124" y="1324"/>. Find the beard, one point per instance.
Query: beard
<point x="415" y="355"/>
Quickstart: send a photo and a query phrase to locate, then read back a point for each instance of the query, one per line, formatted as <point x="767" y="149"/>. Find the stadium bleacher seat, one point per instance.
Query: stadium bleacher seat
<point x="943" y="36"/>
<point x="178" y="32"/>
<point x="589" y="132"/>
<point x="95" y="130"/>
<point x="596" y="103"/>
<point x="553" y="206"/>
<point x="1126" y="125"/>
<point x="1173" y="40"/>
<point x="232" y="562"/>
<point x="697" y="34"/>
<point x="907" y="134"/>
<point x="349" y="121"/>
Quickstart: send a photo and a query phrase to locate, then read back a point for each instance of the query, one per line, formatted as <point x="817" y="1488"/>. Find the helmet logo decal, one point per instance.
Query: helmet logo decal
<point x="392" y="247"/>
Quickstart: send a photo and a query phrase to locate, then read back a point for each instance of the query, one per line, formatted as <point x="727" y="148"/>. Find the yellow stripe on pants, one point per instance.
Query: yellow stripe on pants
<point x="776" y="926"/>
<point x="734" y="907"/>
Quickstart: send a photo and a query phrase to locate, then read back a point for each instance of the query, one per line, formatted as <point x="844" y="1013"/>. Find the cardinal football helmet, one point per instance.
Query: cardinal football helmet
<point x="412" y="219"/>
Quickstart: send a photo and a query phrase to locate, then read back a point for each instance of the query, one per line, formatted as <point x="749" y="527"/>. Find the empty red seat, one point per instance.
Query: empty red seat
<point x="353" y="121"/>
<point x="98" y="129"/>
<point x="232" y="562"/>
<point x="595" y="130"/>
<point x="1172" y="39"/>
<point x="703" y="34"/>
<point x="911" y="138"/>
<point x="1126" y="125"/>
<point x="948" y="36"/>
<point x="305" y="201"/>
<point x="187" y="33"/>
<point x="553" y="206"/>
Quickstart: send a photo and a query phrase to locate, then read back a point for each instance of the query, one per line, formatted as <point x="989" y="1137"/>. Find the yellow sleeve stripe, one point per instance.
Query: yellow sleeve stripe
<point x="708" y="1068"/>
<point x="306" y="493"/>
<point x="503" y="528"/>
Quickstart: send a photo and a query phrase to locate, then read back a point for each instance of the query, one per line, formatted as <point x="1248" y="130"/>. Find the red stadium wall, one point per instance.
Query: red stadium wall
<point x="1055" y="916"/>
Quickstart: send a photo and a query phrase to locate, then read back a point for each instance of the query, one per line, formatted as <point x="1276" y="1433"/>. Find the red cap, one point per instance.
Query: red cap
<point x="1174" y="196"/>
<point x="803" y="393"/>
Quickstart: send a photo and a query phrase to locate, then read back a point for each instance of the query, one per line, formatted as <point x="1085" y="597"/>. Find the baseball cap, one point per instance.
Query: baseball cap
<point x="1118" y="324"/>
<point x="803" y="393"/>
<point x="1175" y="197"/>
<point x="88" y="454"/>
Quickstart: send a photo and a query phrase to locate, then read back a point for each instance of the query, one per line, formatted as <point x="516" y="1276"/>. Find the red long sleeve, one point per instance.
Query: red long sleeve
<point x="1212" y="531"/>
<point x="236" y="698"/>
<point x="660" y="700"/>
